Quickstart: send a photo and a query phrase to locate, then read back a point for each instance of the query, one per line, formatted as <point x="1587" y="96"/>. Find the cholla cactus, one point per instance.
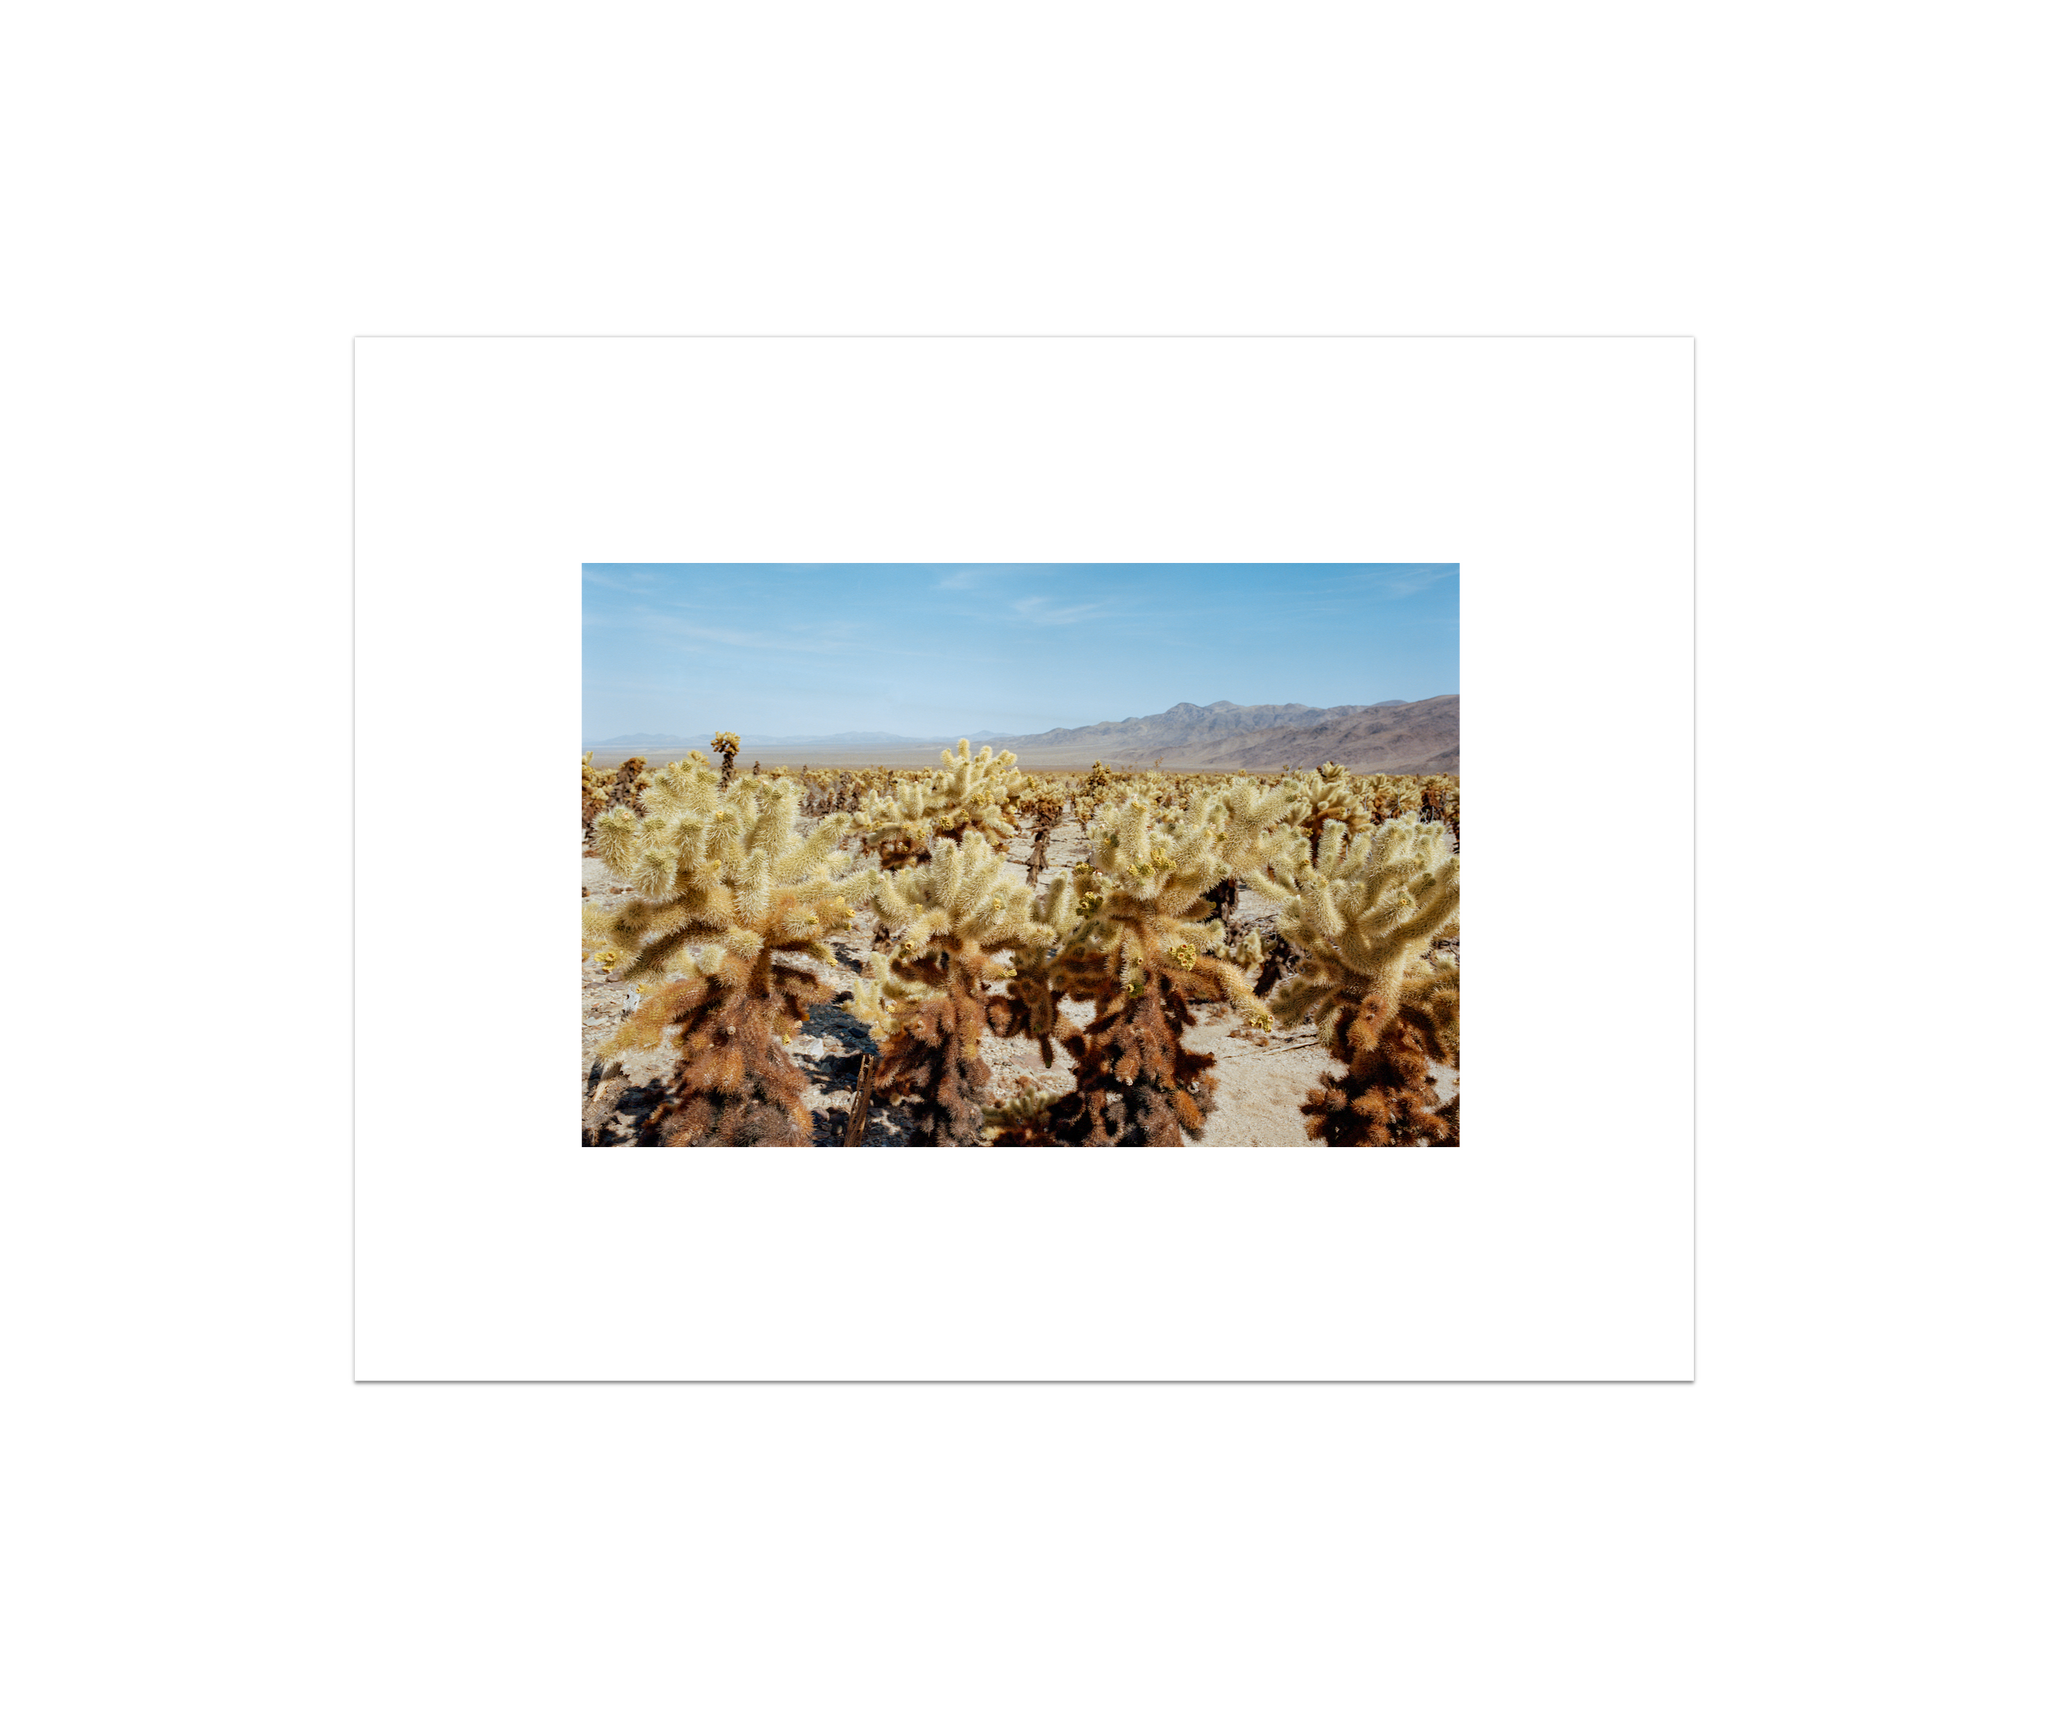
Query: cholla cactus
<point x="1031" y="1010"/>
<point x="596" y="791"/>
<point x="928" y="999"/>
<point x="1391" y="796"/>
<point x="1030" y="1118"/>
<point x="1365" y="914"/>
<point x="895" y="830"/>
<point x="1330" y="795"/>
<point x="1440" y="800"/>
<point x="1144" y="950"/>
<point x="724" y="885"/>
<point x="1092" y="792"/>
<point x="1044" y="802"/>
<point x="727" y="746"/>
<point x="625" y="788"/>
<point x="968" y="793"/>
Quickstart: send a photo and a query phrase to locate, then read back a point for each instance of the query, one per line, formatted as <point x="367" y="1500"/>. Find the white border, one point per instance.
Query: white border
<point x="1556" y="1244"/>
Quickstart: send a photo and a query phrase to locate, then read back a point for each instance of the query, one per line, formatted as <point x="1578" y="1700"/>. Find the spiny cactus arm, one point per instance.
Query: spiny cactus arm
<point x="650" y="939"/>
<point x="1311" y="916"/>
<point x="818" y="848"/>
<point x="687" y="787"/>
<point x="753" y="890"/>
<point x="1429" y="999"/>
<point x="1055" y="914"/>
<point x="903" y="900"/>
<point x="1249" y="816"/>
<point x="987" y="906"/>
<point x="765" y="819"/>
<point x="616" y="837"/>
<point x="882" y="996"/>
<point x="918" y="931"/>
<point x="1057" y="907"/>
<point x="827" y="883"/>
<point x="1279" y="888"/>
<point x="1309" y="995"/>
<point x="872" y="812"/>
<point x="647" y="1026"/>
<point x="1004" y="928"/>
<point x="799" y="927"/>
<point x="1384" y="941"/>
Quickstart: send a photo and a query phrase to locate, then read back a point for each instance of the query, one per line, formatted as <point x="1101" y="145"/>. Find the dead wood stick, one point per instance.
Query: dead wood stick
<point x="602" y="1088"/>
<point x="857" y="1118"/>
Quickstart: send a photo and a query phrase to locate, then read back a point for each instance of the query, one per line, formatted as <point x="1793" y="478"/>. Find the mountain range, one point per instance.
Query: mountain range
<point x="1394" y="737"/>
<point x="701" y="742"/>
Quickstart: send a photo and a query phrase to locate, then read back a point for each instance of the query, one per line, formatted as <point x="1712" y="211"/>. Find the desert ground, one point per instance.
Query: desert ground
<point x="1261" y="1077"/>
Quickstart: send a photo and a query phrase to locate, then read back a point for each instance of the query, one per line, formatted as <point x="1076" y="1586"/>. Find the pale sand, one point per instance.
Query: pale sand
<point x="1261" y="1078"/>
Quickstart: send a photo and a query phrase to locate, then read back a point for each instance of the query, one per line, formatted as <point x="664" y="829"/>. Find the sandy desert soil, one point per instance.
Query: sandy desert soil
<point x="1261" y="1077"/>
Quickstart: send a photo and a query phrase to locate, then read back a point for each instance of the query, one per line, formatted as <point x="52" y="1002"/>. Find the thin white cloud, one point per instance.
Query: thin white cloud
<point x="635" y="584"/>
<point x="821" y="644"/>
<point x="974" y="578"/>
<point x="1037" y="611"/>
<point x="1408" y="580"/>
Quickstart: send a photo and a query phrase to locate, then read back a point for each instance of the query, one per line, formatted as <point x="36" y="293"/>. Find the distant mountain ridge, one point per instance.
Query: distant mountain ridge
<point x="1393" y="737"/>
<point x="683" y="742"/>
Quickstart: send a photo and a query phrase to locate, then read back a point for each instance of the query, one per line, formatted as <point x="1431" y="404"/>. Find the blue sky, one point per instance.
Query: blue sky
<point x="951" y="649"/>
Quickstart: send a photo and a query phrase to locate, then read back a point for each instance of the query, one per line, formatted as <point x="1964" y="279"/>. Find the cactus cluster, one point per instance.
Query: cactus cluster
<point x="1331" y="795"/>
<point x="603" y="789"/>
<point x="970" y="793"/>
<point x="731" y="905"/>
